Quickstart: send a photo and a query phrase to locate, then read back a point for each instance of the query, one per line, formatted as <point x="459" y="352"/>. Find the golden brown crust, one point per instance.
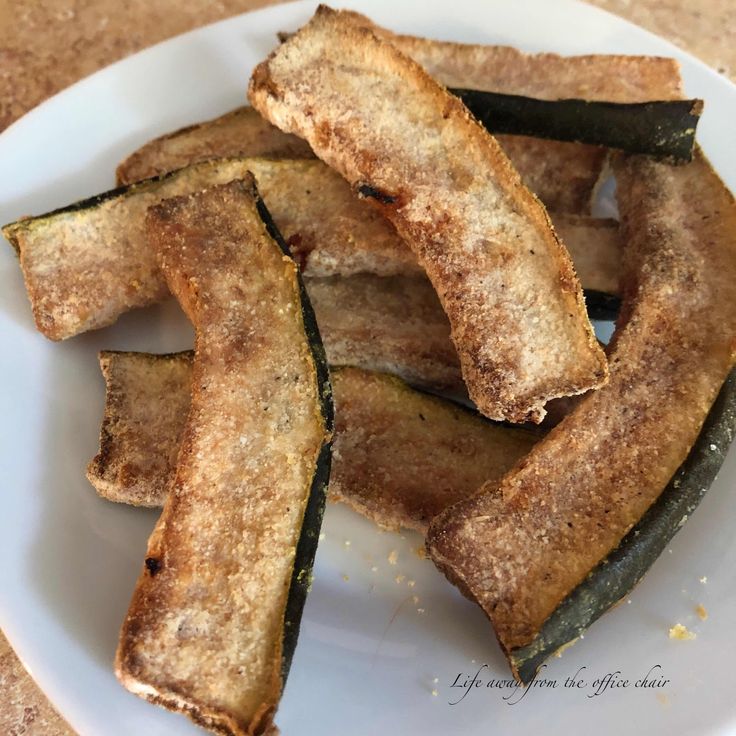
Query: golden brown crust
<point x="239" y="133"/>
<point x="513" y="300"/>
<point x="521" y="546"/>
<point x="399" y="456"/>
<point x="83" y="268"/>
<point x="147" y="401"/>
<point x="504" y="69"/>
<point x="204" y="631"/>
<point x="563" y="175"/>
<point x="146" y="405"/>
<point x="402" y="456"/>
<point x="392" y="325"/>
<point x="595" y="248"/>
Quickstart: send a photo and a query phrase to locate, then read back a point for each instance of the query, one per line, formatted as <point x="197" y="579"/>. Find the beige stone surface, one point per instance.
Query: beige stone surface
<point x="46" y="45"/>
<point x="24" y="709"/>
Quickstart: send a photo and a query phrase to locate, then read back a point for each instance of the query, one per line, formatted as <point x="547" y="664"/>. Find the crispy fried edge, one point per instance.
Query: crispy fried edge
<point x="140" y="165"/>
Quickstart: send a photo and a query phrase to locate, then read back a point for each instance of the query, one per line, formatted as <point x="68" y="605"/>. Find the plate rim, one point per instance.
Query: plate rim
<point x="41" y="110"/>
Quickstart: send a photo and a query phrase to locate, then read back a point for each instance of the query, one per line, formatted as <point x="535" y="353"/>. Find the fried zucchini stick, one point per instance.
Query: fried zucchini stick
<point x="563" y="175"/>
<point x="389" y="440"/>
<point x="506" y="283"/>
<point x="86" y="264"/>
<point x="520" y="547"/>
<point x="545" y="76"/>
<point x="213" y="622"/>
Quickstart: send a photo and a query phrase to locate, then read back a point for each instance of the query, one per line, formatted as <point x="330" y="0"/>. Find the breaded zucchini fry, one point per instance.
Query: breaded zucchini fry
<point x="214" y="618"/>
<point x="546" y="76"/>
<point x="505" y="281"/>
<point x="400" y="456"/>
<point x="524" y="544"/>
<point x="86" y="264"/>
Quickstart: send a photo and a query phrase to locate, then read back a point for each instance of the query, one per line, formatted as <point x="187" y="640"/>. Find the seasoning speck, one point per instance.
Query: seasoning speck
<point x="702" y="613"/>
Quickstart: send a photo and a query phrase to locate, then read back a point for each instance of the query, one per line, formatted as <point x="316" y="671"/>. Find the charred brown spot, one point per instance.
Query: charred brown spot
<point x="129" y="474"/>
<point x="324" y="134"/>
<point x="300" y="249"/>
<point x="153" y="565"/>
<point x="262" y="79"/>
<point x="366" y="190"/>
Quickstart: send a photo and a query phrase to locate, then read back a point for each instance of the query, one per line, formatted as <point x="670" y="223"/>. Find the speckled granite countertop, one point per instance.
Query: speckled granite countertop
<point x="46" y="46"/>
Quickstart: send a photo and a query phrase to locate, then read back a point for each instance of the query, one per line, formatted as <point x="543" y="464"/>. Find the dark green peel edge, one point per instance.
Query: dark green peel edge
<point x="619" y="573"/>
<point x="126" y="190"/>
<point x="306" y="549"/>
<point x="664" y="129"/>
<point x="88" y="203"/>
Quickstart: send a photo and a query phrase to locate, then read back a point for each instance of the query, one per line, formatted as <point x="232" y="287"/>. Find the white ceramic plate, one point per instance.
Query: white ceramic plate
<point x="367" y="657"/>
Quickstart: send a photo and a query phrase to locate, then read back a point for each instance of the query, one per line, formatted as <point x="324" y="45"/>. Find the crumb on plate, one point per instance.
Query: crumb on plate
<point x="679" y="632"/>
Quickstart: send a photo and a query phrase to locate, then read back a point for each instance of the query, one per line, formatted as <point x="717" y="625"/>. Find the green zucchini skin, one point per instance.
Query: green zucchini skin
<point x="664" y="129"/>
<point x="88" y="203"/>
<point x="619" y="573"/>
<point x="306" y="549"/>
